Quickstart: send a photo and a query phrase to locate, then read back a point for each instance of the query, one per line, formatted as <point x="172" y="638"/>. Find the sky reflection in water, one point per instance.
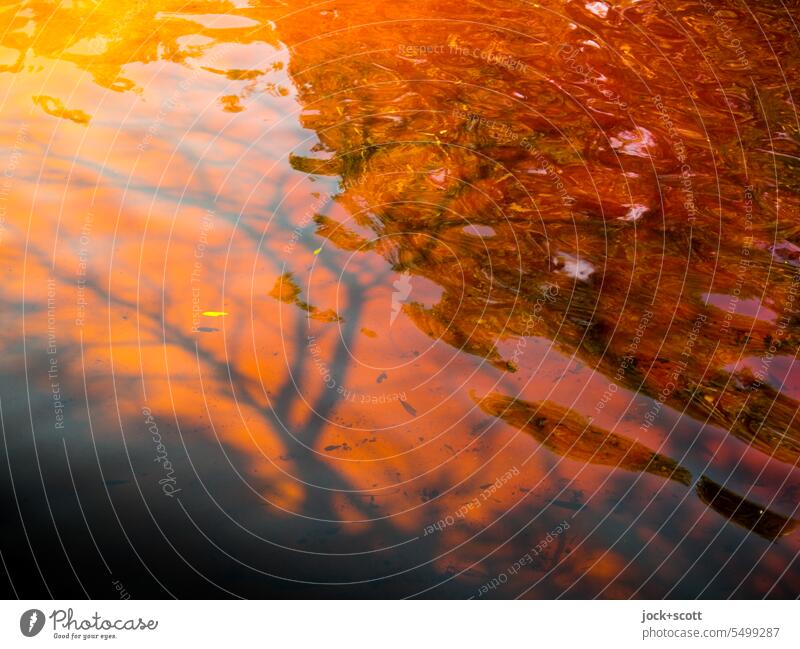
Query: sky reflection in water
<point x="369" y="299"/>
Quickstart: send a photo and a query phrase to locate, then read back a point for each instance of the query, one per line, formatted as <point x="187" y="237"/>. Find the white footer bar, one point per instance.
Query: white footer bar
<point x="400" y="624"/>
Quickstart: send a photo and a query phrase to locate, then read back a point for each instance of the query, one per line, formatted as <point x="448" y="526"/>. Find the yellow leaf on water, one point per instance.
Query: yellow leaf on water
<point x="317" y="251"/>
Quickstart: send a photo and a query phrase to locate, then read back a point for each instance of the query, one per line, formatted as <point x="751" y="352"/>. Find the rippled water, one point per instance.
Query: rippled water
<point x="452" y="299"/>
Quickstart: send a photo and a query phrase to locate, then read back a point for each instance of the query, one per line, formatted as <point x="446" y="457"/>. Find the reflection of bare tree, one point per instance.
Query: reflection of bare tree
<point x="325" y="558"/>
<point x="160" y="328"/>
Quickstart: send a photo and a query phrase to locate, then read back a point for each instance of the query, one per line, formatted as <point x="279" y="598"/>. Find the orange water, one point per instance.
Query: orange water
<point x="400" y="289"/>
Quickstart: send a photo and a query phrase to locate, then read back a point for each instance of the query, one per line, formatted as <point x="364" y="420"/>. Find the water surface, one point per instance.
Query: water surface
<point x="400" y="299"/>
